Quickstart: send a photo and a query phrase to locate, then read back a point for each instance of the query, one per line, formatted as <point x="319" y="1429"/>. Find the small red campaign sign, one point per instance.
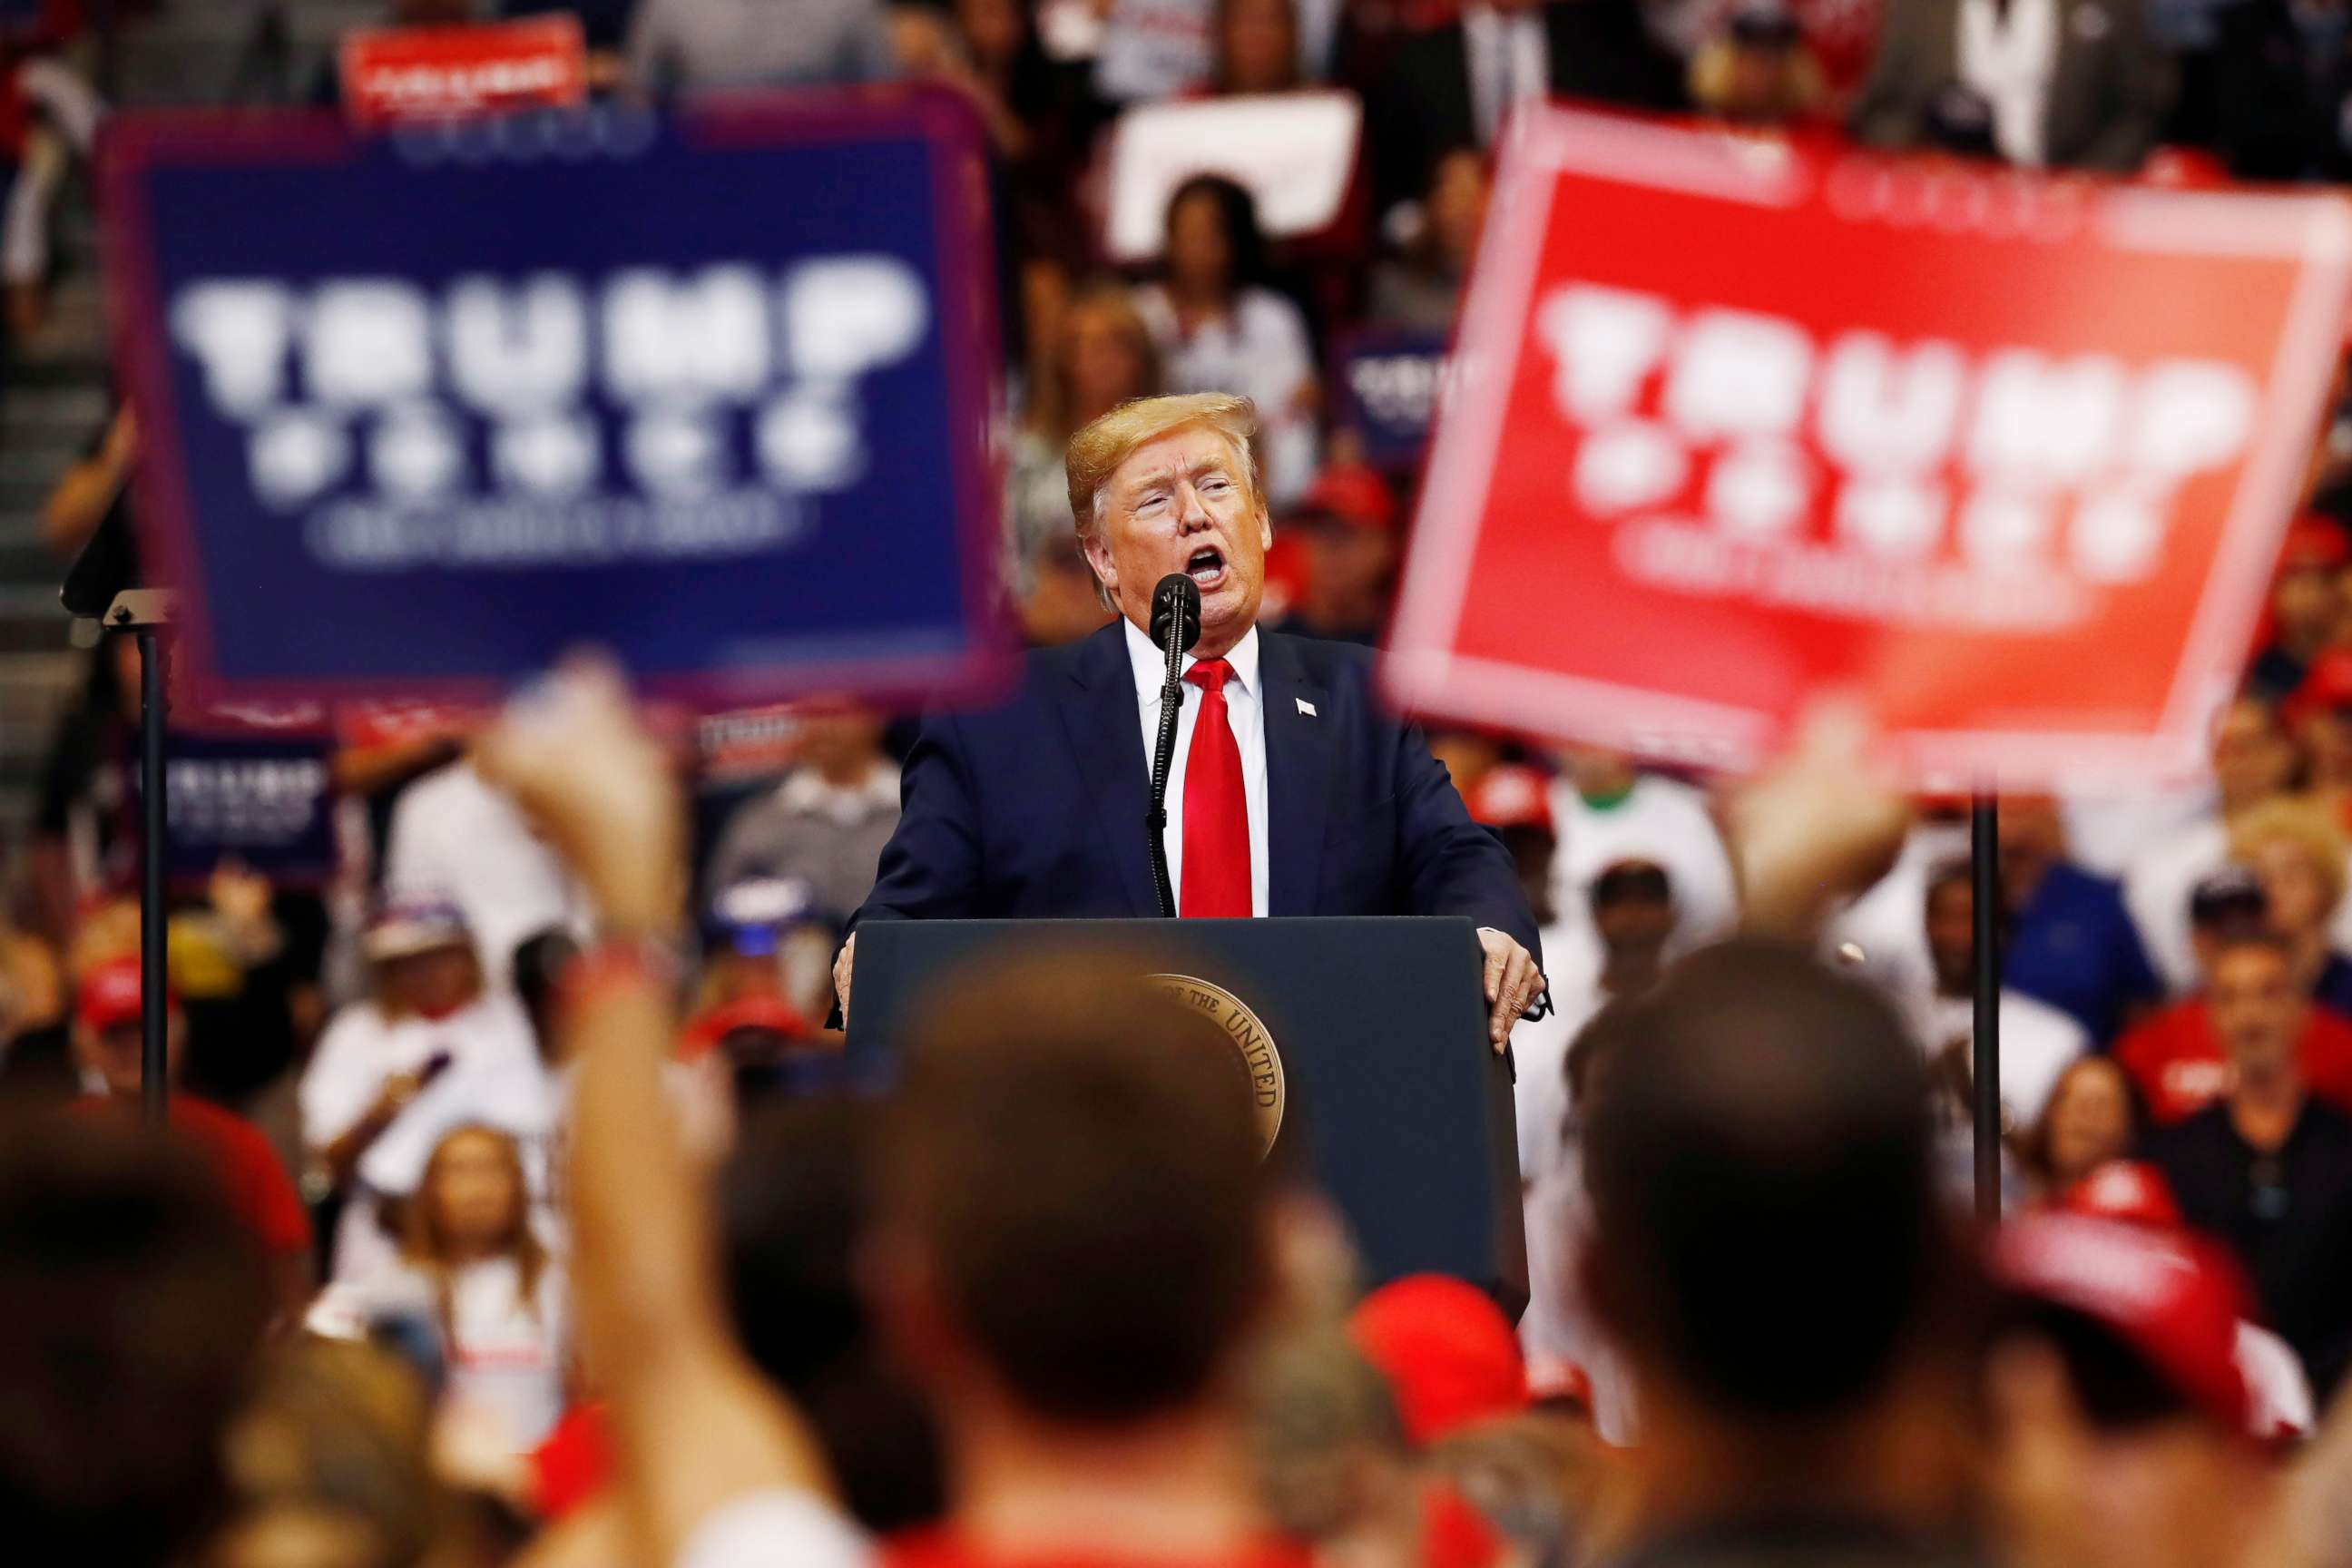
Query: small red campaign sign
<point x="395" y="75"/>
<point x="1728" y="426"/>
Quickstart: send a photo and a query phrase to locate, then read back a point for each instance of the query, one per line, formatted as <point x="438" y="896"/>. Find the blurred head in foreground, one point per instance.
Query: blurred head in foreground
<point x="1768" y="1248"/>
<point x="793" y="1199"/>
<point x="1074" y="1225"/>
<point x="328" y="1464"/>
<point x="133" y="1303"/>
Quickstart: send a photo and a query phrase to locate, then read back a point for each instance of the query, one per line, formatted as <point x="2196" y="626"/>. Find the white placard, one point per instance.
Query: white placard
<point x="1295" y="152"/>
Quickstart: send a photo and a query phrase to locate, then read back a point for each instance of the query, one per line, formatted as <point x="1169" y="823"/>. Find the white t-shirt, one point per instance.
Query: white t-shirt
<point x="1260" y="350"/>
<point x="2106" y="833"/>
<point x="505" y="1356"/>
<point x="1540" y="1055"/>
<point x="454" y="835"/>
<point x="495" y="1075"/>
<point x="1661" y="820"/>
<point x="775" y="1529"/>
<point x="1887" y="923"/>
<point x="2037" y="1042"/>
<point x="1559" y="1324"/>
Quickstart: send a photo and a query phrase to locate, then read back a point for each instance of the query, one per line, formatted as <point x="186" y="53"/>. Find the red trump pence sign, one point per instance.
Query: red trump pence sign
<point x="1728" y="424"/>
<point x="395" y="75"/>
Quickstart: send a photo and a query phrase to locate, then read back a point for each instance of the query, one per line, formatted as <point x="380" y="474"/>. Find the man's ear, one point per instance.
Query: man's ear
<point x="1098" y="551"/>
<point x="1265" y="526"/>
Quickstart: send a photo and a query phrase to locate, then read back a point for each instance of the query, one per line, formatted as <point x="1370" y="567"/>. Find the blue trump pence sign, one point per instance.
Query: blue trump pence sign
<point x="709" y="389"/>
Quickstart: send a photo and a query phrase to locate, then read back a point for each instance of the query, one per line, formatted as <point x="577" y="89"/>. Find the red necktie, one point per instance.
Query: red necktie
<point x="1216" y="811"/>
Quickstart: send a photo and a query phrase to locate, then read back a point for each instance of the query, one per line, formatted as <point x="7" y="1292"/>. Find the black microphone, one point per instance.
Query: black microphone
<point x="1175" y="627"/>
<point x="1176" y="608"/>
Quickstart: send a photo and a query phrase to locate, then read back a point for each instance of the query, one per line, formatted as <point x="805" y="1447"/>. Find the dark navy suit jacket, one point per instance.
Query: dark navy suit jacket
<point x="1036" y="808"/>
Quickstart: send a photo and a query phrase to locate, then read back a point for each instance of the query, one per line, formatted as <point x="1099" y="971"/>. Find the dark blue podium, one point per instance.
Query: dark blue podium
<point x="1365" y="1042"/>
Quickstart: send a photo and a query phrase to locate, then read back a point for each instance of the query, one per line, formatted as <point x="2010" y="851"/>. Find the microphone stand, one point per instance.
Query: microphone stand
<point x="1163" y="757"/>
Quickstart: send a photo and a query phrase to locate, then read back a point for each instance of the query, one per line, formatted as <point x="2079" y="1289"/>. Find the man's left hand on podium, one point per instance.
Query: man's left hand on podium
<point x="1513" y="982"/>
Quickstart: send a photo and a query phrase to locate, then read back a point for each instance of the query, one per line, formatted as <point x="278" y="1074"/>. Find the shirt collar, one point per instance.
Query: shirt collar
<point x="1151" y="666"/>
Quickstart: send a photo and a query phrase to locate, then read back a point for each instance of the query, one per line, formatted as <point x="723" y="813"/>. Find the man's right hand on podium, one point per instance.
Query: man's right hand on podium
<point x="841" y="965"/>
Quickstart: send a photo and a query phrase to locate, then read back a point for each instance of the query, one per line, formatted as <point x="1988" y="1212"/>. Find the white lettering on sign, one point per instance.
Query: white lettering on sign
<point x="248" y="802"/>
<point x="1700" y="429"/>
<point x="503" y="398"/>
<point x="485" y="82"/>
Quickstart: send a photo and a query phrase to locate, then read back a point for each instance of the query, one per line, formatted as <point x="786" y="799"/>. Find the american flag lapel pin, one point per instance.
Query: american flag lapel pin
<point x="1307" y="708"/>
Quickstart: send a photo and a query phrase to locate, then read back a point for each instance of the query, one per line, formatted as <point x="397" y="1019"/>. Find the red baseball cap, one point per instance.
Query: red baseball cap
<point x="109" y="995"/>
<point x="1350" y="493"/>
<point x="2326" y="684"/>
<point x="2171" y="1296"/>
<point x="771" y="1015"/>
<point x="2131" y="1191"/>
<point x="1446" y="1350"/>
<point x="1512" y="795"/>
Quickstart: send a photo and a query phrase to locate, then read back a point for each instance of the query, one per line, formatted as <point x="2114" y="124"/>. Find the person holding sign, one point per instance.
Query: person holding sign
<point x="1292" y="792"/>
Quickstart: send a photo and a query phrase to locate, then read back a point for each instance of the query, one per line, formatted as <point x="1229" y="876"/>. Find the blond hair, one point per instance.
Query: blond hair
<point x="1051" y="412"/>
<point x="1095" y="452"/>
<point x="2307" y="825"/>
<point x="426" y="1246"/>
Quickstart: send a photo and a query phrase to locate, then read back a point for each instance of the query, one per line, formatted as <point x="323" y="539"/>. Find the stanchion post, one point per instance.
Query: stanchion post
<point x="1984" y="865"/>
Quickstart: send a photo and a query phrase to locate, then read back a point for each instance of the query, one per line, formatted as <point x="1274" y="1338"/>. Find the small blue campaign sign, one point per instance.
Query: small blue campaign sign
<point x="706" y="388"/>
<point x="1387" y="386"/>
<point x="266" y="802"/>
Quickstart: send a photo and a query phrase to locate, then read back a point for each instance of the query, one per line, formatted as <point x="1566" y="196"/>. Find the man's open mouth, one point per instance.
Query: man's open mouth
<point x="1206" y="566"/>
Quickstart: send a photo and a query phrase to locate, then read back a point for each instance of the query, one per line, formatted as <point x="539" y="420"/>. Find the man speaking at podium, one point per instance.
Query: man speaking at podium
<point x="1290" y="790"/>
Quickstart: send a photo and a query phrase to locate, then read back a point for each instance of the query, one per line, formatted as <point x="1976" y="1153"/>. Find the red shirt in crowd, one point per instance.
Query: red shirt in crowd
<point x="947" y="1549"/>
<point x="2178" y="1061"/>
<point x="1453" y="1536"/>
<point x="252" y="1176"/>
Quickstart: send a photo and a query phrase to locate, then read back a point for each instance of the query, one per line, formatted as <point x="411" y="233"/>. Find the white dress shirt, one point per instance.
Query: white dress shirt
<point x="1509" y="60"/>
<point x="1244" y="709"/>
<point x="2009" y="56"/>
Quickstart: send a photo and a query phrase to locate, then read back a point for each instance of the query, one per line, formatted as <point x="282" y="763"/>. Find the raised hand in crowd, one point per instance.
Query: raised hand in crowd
<point x="705" y="1450"/>
<point x="1820" y="824"/>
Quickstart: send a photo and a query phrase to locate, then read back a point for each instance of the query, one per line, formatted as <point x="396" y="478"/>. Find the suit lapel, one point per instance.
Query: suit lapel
<point x="1298" y="775"/>
<point x="1100" y="716"/>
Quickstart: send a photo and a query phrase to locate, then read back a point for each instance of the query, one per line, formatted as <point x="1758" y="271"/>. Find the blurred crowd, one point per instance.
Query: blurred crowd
<point x="486" y="1242"/>
<point x="602" y="1285"/>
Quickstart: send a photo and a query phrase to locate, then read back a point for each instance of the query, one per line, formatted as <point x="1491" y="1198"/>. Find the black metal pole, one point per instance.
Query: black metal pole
<point x="154" y="1064"/>
<point x="105" y="25"/>
<point x="1984" y="857"/>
